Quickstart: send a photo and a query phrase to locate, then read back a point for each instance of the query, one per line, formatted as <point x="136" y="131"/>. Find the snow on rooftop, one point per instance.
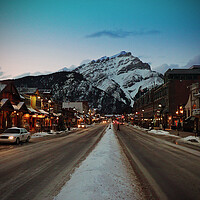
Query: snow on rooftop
<point x="3" y="101"/>
<point x="105" y="174"/>
<point x="2" y="86"/>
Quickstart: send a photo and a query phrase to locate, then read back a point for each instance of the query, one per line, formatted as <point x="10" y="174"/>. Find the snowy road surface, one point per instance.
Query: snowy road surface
<point x="104" y="174"/>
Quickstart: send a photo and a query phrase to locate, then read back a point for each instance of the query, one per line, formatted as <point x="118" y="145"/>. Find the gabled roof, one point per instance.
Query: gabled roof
<point x="2" y="86"/>
<point x="6" y="105"/>
<point x="9" y="88"/>
<point x="21" y="106"/>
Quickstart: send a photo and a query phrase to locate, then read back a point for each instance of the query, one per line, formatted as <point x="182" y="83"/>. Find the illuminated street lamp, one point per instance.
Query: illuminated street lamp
<point x="181" y="109"/>
<point x="49" y="102"/>
<point x="179" y="114"/>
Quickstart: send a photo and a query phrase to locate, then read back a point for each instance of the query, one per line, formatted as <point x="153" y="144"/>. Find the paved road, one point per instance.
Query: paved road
<point x="38" y="170"/>
<point x="172" y="171"/>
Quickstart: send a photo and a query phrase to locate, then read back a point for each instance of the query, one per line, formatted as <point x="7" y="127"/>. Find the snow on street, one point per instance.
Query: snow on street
<point x="104" y="174"/>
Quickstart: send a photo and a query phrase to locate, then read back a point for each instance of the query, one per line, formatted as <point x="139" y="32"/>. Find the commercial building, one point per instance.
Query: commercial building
<point x="193" y="109"/>
<point x="12" y="106"/>
<point x="165" y="104"/>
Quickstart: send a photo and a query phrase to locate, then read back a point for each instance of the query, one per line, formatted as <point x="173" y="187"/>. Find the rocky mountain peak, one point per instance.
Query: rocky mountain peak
<point x="120" y="75"/>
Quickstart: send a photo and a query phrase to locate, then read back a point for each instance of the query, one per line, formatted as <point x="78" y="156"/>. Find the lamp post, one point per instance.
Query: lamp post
<point x="160" y="115"/>
<point x="179" y="112"/>
<point x="49" y="102"/>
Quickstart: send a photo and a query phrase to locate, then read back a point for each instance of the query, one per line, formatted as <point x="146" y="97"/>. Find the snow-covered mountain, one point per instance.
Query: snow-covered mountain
<point x="121" y="75"/>
<point x="71" y="86"/>
<point x="67" y="69"/>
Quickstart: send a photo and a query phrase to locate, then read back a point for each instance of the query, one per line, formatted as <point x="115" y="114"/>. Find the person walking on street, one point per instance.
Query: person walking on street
<point x="118" y="127"/>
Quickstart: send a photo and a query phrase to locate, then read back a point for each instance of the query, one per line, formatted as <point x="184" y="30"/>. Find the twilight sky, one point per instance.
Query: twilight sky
<point x="47" y="35"/>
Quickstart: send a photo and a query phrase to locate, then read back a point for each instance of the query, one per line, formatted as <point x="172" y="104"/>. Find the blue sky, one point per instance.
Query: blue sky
<point x="46" y="35"/>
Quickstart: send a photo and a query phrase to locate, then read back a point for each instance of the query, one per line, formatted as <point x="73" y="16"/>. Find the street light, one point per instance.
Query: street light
<point x="49" y="102"/>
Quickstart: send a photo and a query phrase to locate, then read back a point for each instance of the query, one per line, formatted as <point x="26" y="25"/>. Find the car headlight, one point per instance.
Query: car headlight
<point x="79" y="126"/>
<point x="11" y="137"/>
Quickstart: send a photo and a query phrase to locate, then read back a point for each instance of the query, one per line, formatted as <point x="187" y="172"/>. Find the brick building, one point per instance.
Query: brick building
<point x="165" y="104"/>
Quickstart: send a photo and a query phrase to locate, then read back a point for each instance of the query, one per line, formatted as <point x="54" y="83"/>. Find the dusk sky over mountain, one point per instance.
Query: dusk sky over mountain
<point x="46" y="35"/>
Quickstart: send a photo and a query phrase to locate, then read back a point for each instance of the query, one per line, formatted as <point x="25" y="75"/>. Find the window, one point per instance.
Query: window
<point x="12" y="130"/>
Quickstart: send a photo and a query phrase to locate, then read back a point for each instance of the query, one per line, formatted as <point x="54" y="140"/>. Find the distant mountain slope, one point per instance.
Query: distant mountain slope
<point x="71" y="86"/>
<point x="120" y="75"/>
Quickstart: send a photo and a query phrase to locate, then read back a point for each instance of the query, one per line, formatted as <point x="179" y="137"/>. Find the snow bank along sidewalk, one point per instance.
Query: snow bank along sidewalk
<point x="189" y="140"/>
<point x="44" y="134"/>
<point x="105" y="174"/>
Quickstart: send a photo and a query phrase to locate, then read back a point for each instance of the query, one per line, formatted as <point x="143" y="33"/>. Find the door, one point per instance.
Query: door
<point x="23" y="136"/>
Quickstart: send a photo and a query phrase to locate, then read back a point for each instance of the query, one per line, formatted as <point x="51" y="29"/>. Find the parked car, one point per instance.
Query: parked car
<point x="82" y="125"/>
<point x="15" y="135"/>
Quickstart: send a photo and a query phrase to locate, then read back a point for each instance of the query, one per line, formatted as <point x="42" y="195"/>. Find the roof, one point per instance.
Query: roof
<point x="2" y="86"/>
<point x="31" y="110"/>
<point x="3" y="101"/>
<point x="195" y="67"/>
<point x="15" y="128"/>
<point x="6" y="105"/>
<point x="183" y="71"/>
<point x="43" y="112"/>
<point x="45" y="91"/>
<point x="21" y="106"/>
<point x="57" y="114"/>
<point x="25" y="90"/>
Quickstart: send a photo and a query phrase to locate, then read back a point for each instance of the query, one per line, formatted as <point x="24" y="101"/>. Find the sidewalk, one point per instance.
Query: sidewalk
<point x="174" y="136"/>
<point x="182" y="134"/>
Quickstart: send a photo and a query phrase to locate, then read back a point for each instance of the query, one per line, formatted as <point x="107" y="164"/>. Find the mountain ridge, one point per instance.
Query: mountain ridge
<point x="72" y="86"/>
<point x="112" y="81"/>
<point x="120" y="75"/>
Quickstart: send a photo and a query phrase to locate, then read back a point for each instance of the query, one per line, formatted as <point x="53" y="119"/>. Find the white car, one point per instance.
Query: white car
<point x="15" y="135"/>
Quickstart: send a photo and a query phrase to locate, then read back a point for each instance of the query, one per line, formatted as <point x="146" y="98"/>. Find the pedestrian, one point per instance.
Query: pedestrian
<point x="41" y="128"/>
<point x="118" y="127"/>
<point x="164" y="126"/>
